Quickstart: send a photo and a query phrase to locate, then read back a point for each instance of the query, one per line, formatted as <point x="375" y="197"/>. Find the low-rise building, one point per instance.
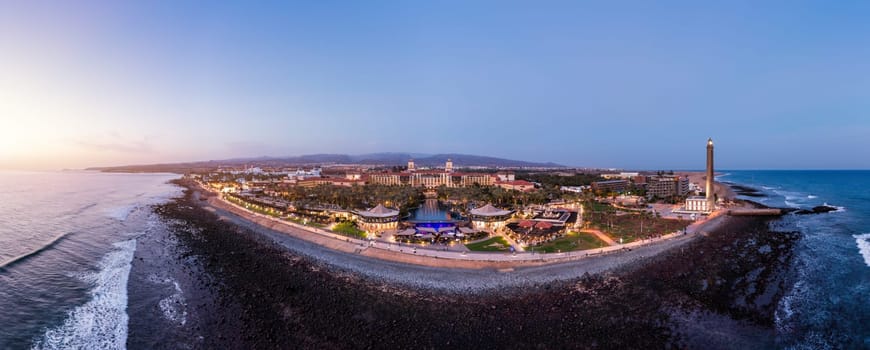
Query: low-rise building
<point x="378" y="219"/>
<point x="489" y="217"/>
<point x="519" y="185"/>
<point x="622" y="175"/>
<point x="697" y="204"/>
<point x="610" y="185"/>
<point x="333" y="181"/>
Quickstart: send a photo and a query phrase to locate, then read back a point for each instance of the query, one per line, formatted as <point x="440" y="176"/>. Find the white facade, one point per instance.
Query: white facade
<point x="698" y="204"/>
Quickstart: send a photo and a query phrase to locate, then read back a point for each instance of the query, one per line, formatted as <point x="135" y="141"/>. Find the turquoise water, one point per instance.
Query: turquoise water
<point x="828" y="304"/>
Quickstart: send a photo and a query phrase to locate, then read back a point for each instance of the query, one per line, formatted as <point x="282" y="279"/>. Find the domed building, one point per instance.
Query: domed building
<point x="489" y="217"/>
<point x="378" y="219"/>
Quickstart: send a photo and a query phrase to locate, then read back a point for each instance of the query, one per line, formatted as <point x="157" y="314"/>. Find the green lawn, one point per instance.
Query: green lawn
<point x="571" y="241"/>
<point x="495" y="244"/>
<point x="348" y="228"/>
<point x="634" y="226"/>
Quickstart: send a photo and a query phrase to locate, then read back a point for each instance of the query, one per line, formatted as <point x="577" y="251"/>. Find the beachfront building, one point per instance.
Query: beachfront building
<point x="378" y="219"/>
<point x="697" y="204"/>
<point x="489" y="218"/>
<point x="667" y="186"/>
<point x="432" y="178"/>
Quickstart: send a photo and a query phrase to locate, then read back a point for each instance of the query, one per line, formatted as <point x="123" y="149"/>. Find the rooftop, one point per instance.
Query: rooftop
<point x="379" y="211"/>
<point x="489" y="210"/>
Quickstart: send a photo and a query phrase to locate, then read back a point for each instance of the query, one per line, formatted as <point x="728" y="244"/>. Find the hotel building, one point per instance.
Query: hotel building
<point x="432" y="178"/>
<point x="667" y="186"/>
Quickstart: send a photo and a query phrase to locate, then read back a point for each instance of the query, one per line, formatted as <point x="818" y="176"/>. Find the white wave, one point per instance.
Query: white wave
<point x="791" y="204"/>
<point x="839" y="208"/>
<point x="864" y="246"/>
<point x="120" y="213"/>
<point x="812" y="197"/>
<point x="174" y="307"/>
<point x="102" y="322"/>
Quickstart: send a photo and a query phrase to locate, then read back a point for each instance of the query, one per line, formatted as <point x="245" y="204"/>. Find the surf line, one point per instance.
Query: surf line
<point x="24" y="256"/>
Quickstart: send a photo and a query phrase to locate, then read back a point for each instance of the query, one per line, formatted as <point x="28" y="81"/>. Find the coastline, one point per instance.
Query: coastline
<point x="437" y="258"/>
<point x="289" y="298"/>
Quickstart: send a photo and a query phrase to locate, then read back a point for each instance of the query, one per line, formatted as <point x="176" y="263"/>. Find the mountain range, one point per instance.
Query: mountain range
<point x="385" y="159"/>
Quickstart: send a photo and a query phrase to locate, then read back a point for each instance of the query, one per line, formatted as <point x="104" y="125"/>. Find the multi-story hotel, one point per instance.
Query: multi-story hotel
<point x="667" y="186"/>
<point x="432" y="178"/>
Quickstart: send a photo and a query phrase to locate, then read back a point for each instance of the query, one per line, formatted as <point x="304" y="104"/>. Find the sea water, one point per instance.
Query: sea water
<point x="827" y="303"/>
<point x="67" y="240"/>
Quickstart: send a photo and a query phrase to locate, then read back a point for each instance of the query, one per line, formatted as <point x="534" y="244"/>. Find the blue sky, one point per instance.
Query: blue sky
<point x="622" y="84"/>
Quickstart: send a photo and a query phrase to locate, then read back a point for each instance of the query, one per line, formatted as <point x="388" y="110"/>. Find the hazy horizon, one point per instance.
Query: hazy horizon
<point x="630" y="85"/>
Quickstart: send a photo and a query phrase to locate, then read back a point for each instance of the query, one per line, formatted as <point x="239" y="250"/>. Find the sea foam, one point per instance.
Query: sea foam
<point x="864" y="246"/>
<point x="174" y="306"/>
<point x="101" y="323"/>
<point x="120" y="213"/>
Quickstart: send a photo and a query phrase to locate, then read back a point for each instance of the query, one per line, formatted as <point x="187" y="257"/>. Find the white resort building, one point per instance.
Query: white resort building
<point x="378" y="219"/>
<point x="489" y="218"/>
<point x="432" y="178"/>
<point x="697" y="204"/>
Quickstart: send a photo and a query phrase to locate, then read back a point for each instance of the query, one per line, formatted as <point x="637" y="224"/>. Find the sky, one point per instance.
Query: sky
<point x="615" y="84"/>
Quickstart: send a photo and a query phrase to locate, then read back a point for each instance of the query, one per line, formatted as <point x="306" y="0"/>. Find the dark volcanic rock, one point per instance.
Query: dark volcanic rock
<point x="821" y="209"/>
<point x="746" y="191"/>
<point x="283" y="300"/>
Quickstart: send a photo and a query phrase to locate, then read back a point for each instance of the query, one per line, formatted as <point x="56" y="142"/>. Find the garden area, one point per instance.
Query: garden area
<point x="348" y="228"/>
<point x="570" y="242"/>
<point x="631" y="226"/>
<point x="494" y="244"/>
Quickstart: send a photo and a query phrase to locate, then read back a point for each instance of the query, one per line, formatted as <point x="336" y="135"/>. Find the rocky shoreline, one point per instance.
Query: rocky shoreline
<point x="270" y="297"/>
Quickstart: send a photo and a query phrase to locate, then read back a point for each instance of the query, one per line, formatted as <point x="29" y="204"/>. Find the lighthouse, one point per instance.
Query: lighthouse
<point x="711" y="201"/>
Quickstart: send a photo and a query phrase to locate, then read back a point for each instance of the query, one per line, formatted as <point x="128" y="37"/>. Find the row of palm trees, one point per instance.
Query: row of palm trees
<point x="356" y="197"/>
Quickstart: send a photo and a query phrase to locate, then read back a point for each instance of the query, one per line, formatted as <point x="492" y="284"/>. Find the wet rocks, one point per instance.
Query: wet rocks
<point x="821" y="209"/>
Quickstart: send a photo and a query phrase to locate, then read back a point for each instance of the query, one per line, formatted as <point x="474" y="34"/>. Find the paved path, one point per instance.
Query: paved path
<point x="390" y="266"/>
<point x="512" y="242"/>
<point x="420" y="255"/>
<point x="601" y="236"/>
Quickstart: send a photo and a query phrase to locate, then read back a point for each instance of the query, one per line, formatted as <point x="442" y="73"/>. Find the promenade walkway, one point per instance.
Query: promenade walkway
<point x="600" y="236"/>
<point x="435" y="257"/>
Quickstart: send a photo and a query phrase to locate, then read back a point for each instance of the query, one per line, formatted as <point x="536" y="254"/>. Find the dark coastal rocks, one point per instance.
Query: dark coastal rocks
<point x="746" y="190"/>
<point x="821" y="209"/>
<point x="277" y="299"/>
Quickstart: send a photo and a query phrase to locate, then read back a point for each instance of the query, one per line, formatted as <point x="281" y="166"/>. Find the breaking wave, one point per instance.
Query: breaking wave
<point x="101" y="323"/>
<point x="120" y="213"/>
<point x="863" y="242"/>
<point x="24" y="256"/>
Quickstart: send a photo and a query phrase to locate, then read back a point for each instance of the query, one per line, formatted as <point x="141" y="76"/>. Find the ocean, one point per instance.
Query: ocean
<point x="87" y="264"/>
<point x="67" y="241"/>
<point x="828" y="303"/>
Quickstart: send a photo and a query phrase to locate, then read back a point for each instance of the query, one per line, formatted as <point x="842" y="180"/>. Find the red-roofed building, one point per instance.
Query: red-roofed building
<point x="519" y="185"/>
<point x="432" y="178"/>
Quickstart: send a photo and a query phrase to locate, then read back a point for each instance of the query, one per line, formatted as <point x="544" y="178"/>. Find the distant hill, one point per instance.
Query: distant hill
<point x="386" y="159"/>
